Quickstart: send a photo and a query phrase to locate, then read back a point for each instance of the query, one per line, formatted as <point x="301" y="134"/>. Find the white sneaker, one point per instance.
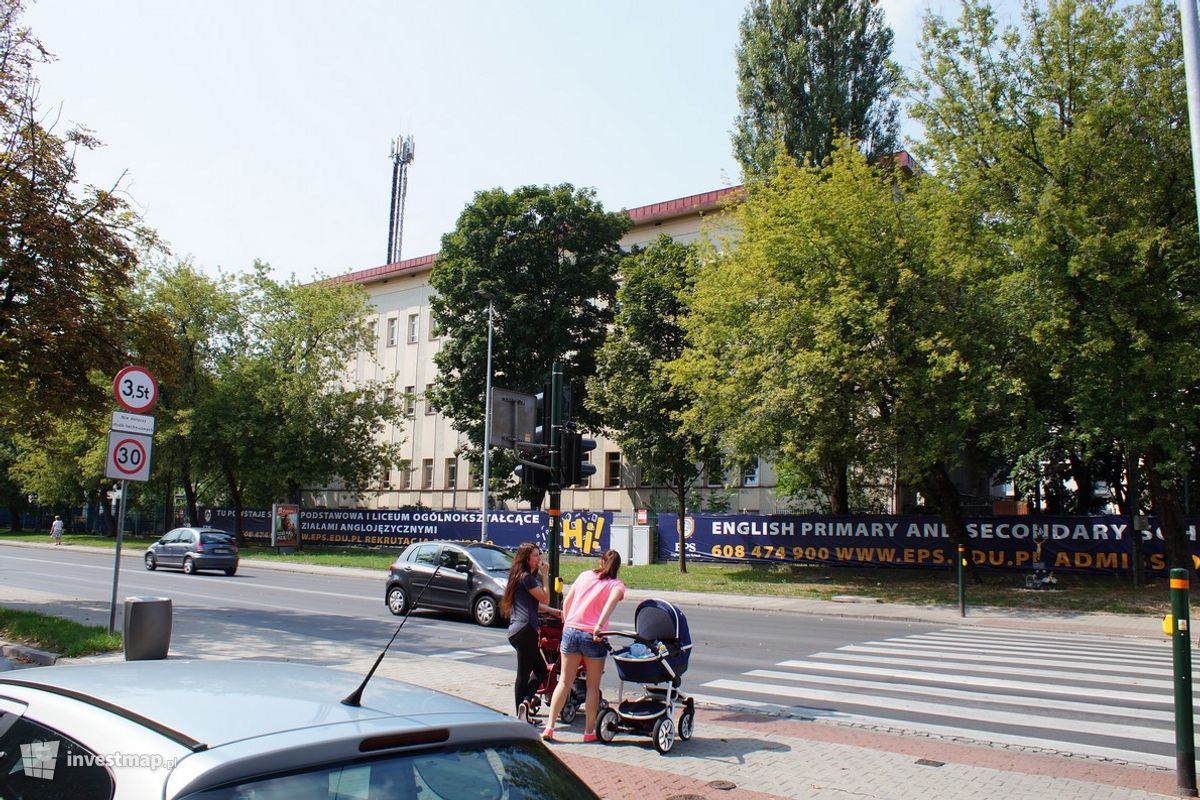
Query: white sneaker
<point x="523" y="712"/>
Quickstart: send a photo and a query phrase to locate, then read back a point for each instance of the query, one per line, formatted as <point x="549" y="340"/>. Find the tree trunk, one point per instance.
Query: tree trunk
<point x="235" y="494"/>
<point x="680" y="490"/>
<point x="110" y="523"/>
<point x="839" y="487"/>
<point x="1165" y="500"/>
<point x="1081" y="472"/>
<point x="169" y="504"/>
<point x="942" y="487"/>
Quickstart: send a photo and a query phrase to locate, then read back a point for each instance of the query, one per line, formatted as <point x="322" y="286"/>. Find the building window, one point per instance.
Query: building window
<point x="405" y="477"/>
<point x="612" y="470"/>
<point x="414" y="327"/>
<point x="475" y="478"/>
<point x="429" y="409"/>
<point x="393" y="325"/>
<point x="385" y="477"/>
<point x="451" y="476"/>
<point x="714" y="472"/>
<point x="750" y="474"/>
<point x="427" y="473"/>
<point x="410" y="401"/>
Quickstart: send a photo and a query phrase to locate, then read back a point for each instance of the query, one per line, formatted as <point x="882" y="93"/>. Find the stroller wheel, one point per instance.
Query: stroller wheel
<point x="535" y="704"/>
<point x="567" y="715"/>
<point x="684" y="725"/>
<point x="664" y="735"/>
<point x="606" y="725"/>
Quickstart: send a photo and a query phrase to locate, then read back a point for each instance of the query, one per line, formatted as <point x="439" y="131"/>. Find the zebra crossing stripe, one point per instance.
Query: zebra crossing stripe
<point x="973" y="668"/>
<point x="1065" y="650"/>
<point x="1047" y="703"/>
<point x="1147" y="647"/>
<point x="904" y="648"/>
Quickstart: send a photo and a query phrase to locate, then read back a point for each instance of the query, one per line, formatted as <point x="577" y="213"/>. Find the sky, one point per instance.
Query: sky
<point x="261" y="129"/>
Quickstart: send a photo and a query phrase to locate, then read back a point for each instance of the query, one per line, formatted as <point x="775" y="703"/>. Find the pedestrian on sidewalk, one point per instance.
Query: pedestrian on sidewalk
<point x="524" y="596"/>
<point x="586" y="610"/>
<point x="56" y="529"/>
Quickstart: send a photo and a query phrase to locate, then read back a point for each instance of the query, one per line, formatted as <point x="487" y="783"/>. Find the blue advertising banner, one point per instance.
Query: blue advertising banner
<point x="583" y="532"/>
<point x="1083" y="544"/>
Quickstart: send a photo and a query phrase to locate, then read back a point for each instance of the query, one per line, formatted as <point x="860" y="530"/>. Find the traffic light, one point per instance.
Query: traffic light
<point x="575" y="465"/>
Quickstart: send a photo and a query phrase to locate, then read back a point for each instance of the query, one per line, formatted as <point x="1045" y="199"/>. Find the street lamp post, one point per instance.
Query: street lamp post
<point x="487" y="416"/>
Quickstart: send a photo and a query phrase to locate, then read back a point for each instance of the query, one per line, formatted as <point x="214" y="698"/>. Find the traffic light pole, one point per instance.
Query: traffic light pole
<point x="555" y="533"/>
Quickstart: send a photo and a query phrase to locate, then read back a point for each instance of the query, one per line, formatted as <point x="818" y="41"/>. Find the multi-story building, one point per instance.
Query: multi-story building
<point x="438" y="475"/>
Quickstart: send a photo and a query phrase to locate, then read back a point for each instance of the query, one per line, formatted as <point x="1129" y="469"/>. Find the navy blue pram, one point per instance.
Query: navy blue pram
<point x="657" y="658"/>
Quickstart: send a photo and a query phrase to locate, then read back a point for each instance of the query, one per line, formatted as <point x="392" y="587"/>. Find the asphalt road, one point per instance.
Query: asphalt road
<point x="1105" y="696"/>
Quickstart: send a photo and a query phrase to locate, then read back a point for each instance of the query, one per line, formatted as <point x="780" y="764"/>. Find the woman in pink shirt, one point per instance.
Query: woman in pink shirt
<point x="586" y="609"/>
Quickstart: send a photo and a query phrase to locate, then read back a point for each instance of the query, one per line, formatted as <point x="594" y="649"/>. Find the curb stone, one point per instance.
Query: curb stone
<point x="21" y="652"/>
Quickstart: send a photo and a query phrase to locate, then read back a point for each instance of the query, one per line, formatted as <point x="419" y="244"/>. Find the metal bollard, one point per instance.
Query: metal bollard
<point x="147" y="629"/>
<point x="1185" y="741"/>
<point x="962" y="589"/>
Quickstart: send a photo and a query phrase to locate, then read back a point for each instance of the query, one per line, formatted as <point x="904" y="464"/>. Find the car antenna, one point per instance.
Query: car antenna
<point x="355" y="697"/>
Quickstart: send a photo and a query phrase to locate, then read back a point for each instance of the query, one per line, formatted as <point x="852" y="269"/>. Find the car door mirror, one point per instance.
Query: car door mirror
<point x="462" y="567"/>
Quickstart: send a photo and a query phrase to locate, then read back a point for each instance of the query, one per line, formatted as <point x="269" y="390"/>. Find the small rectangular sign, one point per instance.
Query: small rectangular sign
<point x="514" y="417"/>
<point x="132" y="423"/>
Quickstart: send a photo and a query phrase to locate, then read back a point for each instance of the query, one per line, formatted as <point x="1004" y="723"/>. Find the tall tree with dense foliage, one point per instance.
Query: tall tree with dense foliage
<point x="632" y="390"/>
<point x="549" y="257"/>
<point x="807" y="71"/>
<point x="841" y="302"/>
<point x="1071" y="135"/>
<point x="66" y="252"/>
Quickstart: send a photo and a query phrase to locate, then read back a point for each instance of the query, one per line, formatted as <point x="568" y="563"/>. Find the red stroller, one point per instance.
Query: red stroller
<point x="549" y="637"/>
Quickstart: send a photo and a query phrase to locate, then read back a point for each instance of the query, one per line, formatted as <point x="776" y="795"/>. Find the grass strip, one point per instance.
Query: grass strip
<point x="56" y="634"/>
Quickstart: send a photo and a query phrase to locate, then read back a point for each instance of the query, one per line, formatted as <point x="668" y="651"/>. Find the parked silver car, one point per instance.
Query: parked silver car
<point x="454" y="576"/>
<point x="234" y="730"/>
<point x="193" y="549"/>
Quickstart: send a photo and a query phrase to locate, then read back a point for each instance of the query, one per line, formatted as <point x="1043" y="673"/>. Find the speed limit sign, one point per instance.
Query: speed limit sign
<point x="135" y="389"/>
<point x="128" y="456"/>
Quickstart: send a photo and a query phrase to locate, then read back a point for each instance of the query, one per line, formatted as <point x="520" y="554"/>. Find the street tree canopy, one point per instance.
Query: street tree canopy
<point x="632" y="389"/>
<point x="807" y="71"/>
<point x="549" y="257"/>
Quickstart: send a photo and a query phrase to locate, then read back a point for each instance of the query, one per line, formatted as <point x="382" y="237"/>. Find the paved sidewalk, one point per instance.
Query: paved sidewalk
<point x="741" y="754"/>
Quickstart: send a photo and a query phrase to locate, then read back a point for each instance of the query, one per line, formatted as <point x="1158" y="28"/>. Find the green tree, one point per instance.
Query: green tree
<point x="842" y="302"/>
<point x="1071" y="135"/>
<point x="280" y="416"/>
<point x="549" y="256"/>
<point x="807" y="70"/>
<point x="632" y="390"/>
<point x="65" y="252"/>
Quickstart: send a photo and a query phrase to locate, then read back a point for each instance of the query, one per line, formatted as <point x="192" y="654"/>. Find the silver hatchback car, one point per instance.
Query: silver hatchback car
<point x="192" y="549"/>
<point x="236" y="730"/>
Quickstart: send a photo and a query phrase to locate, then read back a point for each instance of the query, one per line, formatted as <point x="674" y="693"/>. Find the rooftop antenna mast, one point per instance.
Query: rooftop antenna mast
<point x="402" y="156"/>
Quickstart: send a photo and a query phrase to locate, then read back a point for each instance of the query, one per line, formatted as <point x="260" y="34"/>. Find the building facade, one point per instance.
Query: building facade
<point x="438" y="475"/>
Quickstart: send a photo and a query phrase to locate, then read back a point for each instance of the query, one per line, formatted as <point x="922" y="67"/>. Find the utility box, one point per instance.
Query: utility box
<point x="640" y="550"/>
<point x="620" y="538"/>
<point x="147" y="630"/>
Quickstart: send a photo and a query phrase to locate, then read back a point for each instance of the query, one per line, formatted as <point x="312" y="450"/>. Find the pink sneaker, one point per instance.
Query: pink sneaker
<point x="589" y="737"/>
<point x="548" y="734"/>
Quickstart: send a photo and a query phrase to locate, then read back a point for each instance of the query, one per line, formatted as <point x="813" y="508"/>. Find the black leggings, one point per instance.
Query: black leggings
<point x="531" y="667"/>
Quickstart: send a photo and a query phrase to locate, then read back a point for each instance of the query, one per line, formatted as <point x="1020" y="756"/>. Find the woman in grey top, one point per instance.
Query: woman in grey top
<point x="524" y="596"/>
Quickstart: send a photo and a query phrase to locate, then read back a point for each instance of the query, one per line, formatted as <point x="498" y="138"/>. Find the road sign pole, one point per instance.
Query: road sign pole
<point x="554" y="420"/>
<point x="962" y="589"/>
<point x="112" y="606"/>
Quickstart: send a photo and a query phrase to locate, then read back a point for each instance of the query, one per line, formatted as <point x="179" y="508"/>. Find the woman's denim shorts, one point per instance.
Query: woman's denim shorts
<point x="577" y="641"/>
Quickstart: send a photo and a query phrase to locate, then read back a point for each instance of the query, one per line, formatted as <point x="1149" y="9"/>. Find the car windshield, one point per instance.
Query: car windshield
<point x="516" y="771"/>
<point x="491" y="557"/>
<point x="215" y="537"/>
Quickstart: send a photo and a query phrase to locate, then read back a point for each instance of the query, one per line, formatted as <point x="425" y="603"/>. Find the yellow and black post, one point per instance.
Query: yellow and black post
<point x="962" y="589"/>
<point x="1185" y="740"/>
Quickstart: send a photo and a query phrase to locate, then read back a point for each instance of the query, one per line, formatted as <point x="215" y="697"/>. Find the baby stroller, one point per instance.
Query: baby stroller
<point x="657" y="658"/>
<point x="549" y="637"/>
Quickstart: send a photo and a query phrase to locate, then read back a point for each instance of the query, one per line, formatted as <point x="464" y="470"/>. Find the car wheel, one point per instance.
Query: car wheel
<point x="485" y="611"/>
<point x="231" y="570"/>
<point x="684" y="726"/>
<point x="664" y="735"/>
<point x="567" y="715"/>
<point x="606" y="725"/>
<point x="189" y="566"/>
<point x="151" y="564"/>
<point x="397" y="600"/>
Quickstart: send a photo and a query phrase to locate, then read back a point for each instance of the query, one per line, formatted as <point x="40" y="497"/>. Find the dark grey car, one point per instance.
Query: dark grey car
<point x="192" y="549"/>
<point x="453" y="576"/>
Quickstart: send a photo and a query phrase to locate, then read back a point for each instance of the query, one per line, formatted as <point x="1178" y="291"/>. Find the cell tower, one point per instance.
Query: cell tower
<point x="402" y="156"/>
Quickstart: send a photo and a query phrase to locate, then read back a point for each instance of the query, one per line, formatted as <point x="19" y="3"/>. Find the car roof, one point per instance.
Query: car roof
<point x="466" y="544"/>
<point x="203" y="704"/>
